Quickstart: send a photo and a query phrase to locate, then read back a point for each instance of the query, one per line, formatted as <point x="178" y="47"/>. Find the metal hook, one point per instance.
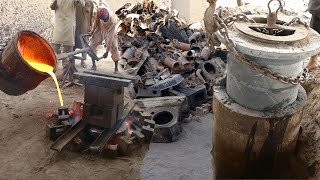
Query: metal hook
<point x="280" y="6"/>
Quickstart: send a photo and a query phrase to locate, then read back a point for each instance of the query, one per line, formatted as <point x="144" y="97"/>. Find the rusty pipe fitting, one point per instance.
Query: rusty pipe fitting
<point x="171" y="63"/>
<point x="189" y="54"/>
<point x="153" y="26"/>
<point x="198" y="73"/>
<point x="195" y="37"/>
<point x="180" y="45"/>
<point x="189" y="33"/>
<point x="208" y="86"/>
<point x="160" y="67"/>
<point x="205" y="53"/>
<point x="183" y="61"/>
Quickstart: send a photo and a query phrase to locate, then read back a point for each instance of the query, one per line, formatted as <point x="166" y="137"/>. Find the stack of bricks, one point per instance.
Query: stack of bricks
<point x="103" y="106"/>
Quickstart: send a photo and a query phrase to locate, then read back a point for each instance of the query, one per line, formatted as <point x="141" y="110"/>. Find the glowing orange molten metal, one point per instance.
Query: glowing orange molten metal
<point x="39" y="55"/>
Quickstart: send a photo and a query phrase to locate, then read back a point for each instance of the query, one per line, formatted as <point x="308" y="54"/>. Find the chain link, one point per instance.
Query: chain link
<point x="297" y="20"/>
<point x="223" y="30"/>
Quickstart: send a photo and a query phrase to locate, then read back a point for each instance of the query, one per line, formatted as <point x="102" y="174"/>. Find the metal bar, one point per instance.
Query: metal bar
<point x="98" y="145"/>
<point x="101" y="81"/>
<point x="64" y="139"/>
<point x="120" y="76"/>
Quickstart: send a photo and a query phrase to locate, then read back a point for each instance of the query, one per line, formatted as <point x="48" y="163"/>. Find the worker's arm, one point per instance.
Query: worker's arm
<point x="90" y="9"/>
<point x="95" y="24"/>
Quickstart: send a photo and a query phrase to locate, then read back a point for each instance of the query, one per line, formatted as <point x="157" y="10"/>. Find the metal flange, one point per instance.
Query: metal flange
<point x="259" y="31"/>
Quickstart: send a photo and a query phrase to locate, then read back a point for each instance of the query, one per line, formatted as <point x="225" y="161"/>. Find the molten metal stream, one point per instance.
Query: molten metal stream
<point x="47" y="69"/>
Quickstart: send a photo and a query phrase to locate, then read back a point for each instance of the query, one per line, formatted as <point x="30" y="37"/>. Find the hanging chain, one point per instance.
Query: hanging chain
<point x="223" y="30"/>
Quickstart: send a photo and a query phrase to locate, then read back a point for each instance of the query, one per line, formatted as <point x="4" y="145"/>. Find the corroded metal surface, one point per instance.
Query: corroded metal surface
<point x="253" y="144"/>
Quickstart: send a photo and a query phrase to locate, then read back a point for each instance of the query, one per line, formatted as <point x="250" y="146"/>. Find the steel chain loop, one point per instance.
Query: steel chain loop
<point x="223" y="30"/>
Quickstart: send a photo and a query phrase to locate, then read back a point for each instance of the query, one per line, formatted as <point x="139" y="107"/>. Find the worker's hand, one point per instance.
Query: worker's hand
<point x="105" y="55"/>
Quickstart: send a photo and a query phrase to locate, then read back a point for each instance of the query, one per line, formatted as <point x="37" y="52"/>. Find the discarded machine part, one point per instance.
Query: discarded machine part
<point x="286" y="57"/>
<point x="176" y="33"/>
<point x="189" y="54"/>
<point x="254" y="144"/>
<point x="129" y="53"/>
<point x="183" y="62"/>
<point x="167" y="128"/>
<point x="180" y="45"/>
<point x="17" y="75"/>
<point x="148" y="132"/>
<point x="99" y="144"/>
<point x="171" y="63"/>
<point x="213" y="69"/>
<point x="189" y="33"/>
<point x="171" y="81"/>
<point x="196" y="49"/>
<point x="195" y="96"/>
<point x="149" y="123"/>
<point x="148" y="92"/>
<point x="153" y="26"/>
<point x="205" y="53"/>
<point x="125" y="142"/>
<point x="55" y="131"/>
<point x="195" y="37"/>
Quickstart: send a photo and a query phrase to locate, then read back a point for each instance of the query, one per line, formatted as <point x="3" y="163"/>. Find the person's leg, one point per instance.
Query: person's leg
<point x="57" y="49"/>
<point x="68" y="62"/>
<point x="314" y="24"/>
<point x="96" y="40"/>
<point x="115" y="55"/>
<point x="83" y="63"/>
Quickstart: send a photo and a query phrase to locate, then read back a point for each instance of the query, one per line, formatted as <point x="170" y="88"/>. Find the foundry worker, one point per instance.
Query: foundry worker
<point x="104" y="29"/>
<point x="64" y="27"/>
<point x="314" y="9"/>
<point x="83" y="25"/>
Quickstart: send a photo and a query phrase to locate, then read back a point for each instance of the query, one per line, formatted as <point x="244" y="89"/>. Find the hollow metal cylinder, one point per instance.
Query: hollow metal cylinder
<point x="253" y="144"/>
<point x="251" y="87"/>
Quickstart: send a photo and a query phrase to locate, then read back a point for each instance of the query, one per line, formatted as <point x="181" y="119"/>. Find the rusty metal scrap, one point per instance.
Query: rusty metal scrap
<point x="165" y="52"/>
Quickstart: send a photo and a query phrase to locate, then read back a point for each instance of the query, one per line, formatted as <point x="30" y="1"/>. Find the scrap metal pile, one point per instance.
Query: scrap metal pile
<point x="169" y="56"/>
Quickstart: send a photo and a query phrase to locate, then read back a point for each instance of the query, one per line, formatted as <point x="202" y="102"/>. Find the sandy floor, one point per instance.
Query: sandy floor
<point x="24" y="147"/>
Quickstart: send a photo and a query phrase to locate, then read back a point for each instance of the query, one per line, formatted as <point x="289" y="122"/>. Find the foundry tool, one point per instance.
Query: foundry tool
<point x="71" y="69"/>
<point x="103" y="108"/>
<point x="16" y="75"/>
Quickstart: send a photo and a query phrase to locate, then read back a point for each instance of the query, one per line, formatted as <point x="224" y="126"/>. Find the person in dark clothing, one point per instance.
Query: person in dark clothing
<point x="83" y="25"/>
<point x="314" y="9"/>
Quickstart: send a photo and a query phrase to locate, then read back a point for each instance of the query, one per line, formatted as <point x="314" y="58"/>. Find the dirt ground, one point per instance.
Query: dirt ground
<point x="24" y="147"/>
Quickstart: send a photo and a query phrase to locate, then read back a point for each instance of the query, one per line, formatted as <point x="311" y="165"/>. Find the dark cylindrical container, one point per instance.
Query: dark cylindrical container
<point x="18" y="76"/>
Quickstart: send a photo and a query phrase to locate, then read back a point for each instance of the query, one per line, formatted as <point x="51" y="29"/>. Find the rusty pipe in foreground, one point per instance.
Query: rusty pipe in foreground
<point x="17" y="76"/>
<point x="171" y="63"/>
